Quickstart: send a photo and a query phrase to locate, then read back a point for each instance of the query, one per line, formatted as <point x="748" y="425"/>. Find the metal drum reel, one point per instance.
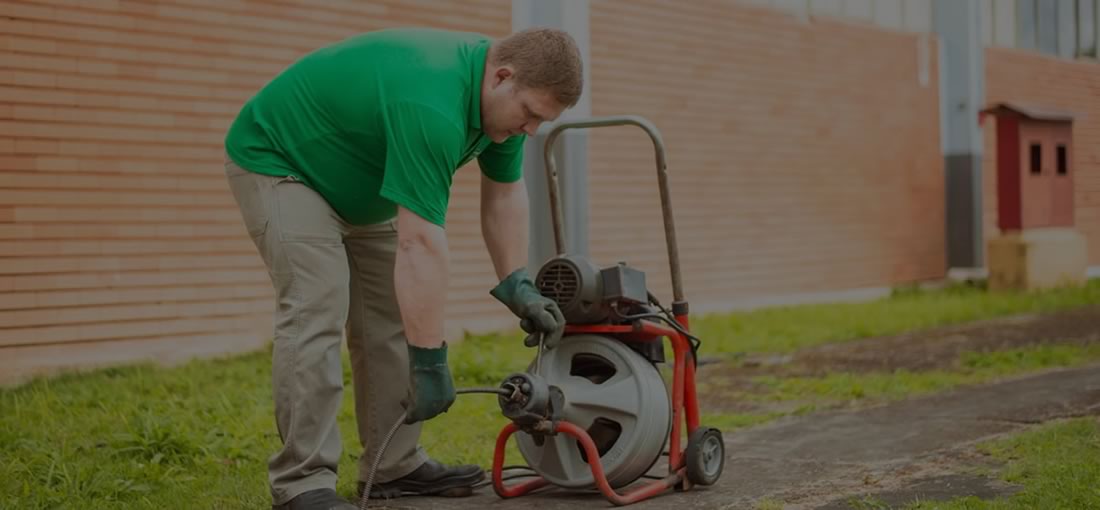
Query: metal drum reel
<point x="614" y="393"/>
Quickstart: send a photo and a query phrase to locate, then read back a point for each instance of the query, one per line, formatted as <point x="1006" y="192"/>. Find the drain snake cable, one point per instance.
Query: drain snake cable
<point x="397" y="424"/>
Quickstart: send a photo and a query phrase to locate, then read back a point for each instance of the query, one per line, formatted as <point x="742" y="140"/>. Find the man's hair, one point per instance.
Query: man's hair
<point x="544" y="59"/>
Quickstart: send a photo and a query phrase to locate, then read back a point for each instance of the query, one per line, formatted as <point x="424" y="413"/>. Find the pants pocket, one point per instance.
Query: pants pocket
<point x="305" y="216"/>
<point x="244" y="186"/>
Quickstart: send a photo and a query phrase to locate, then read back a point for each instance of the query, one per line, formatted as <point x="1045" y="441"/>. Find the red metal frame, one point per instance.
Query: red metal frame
<point x="685" y="409"/>
<point x="685" y="405"/>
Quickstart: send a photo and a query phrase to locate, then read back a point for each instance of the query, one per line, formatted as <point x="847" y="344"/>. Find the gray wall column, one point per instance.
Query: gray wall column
<point x="962" y="83"/>
<point x="571" y="147"/>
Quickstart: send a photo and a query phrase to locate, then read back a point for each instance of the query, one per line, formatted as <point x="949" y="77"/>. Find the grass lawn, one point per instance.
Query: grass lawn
<point x="198" y="435"/>
<point x="1057" y="464"/>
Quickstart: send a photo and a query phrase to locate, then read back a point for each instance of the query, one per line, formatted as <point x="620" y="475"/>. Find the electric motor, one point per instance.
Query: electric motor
<point x="587" y="294"/>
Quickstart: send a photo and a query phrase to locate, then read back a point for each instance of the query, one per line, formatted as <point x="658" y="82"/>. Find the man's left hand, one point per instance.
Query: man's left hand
<point x="539" y="315"/>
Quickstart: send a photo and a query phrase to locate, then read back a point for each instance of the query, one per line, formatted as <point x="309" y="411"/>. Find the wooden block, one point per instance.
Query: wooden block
<point x="1037" y="259"/>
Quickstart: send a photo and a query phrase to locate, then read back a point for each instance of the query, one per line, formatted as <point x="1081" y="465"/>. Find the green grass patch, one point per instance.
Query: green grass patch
<point x="768" y="504"/>
<point x="146" y="437"/>
<point x="971" y="368"/>
<point x="199" y="435"/>
<point x="1057" y="464"/>
<point x="139" y="437"/>
<point x="786" y="329"/>
<point x="733" y="421"/>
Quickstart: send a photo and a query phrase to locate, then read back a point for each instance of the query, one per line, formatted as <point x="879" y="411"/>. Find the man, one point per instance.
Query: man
<point x="342" y="167"/>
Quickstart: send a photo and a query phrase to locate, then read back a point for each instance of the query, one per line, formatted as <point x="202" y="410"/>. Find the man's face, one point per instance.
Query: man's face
<point x="508" y="110"/>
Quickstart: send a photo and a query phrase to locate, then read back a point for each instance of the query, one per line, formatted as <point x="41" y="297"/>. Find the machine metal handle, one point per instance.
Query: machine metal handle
<point x="662" y="181"/>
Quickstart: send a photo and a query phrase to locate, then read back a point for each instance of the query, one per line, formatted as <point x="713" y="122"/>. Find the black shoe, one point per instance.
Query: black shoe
<point x="430" y="479"/>
<point x="317" y="499"/>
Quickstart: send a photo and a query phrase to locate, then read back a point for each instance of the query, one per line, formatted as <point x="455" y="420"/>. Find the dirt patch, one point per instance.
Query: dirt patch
<point x="941" y="347"/>
<point x="939" y="477"/>
<point x="934" y="488"/>
<point x="932" y="349"/>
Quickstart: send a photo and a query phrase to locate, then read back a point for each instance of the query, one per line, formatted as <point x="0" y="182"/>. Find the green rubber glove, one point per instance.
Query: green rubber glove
<point x="539" y="315"/>
<point x="431" y="387"/>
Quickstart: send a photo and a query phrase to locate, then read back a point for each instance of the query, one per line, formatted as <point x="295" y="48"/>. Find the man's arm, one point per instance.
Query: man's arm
<point x="420" y="160"/>
<point x="504" y="217"/>
<point x="504" y="213"/>
<point x="421" y="147"/>
<point x="420" y="278"/>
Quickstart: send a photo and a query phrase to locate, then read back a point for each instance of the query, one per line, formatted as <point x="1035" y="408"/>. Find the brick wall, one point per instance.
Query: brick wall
<point x="118" y="237"/>
<point x="1013" y="75"/>
<point x="803" y="157"/>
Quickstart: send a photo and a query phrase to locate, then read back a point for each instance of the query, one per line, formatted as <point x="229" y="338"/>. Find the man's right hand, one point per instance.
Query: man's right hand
<point x="431" y="387"/>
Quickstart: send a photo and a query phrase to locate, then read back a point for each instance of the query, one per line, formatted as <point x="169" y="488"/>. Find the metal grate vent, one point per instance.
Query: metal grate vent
<point x="561" y="282"/>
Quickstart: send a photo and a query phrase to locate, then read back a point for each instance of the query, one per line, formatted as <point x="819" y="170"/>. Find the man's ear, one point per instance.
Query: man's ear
<point x="503" y="74"/>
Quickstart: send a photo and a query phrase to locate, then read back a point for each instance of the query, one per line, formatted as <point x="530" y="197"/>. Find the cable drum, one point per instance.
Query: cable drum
<point x="618" y="397"/>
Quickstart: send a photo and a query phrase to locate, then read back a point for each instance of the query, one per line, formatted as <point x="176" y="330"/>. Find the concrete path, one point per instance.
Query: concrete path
<point x="899" y="451"/>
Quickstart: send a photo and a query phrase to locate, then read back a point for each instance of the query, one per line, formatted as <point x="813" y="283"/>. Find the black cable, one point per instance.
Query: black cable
<point x="494" y="391"/>
<point x="653" y="300"/>
<point x="676" y="324"/>
<point x="508" y="477"/>
<point x="668" y="317"/>
<point x="693" y="340"/>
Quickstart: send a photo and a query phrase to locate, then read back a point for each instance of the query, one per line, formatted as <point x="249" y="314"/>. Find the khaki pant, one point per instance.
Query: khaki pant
<point x="328" y="275"/>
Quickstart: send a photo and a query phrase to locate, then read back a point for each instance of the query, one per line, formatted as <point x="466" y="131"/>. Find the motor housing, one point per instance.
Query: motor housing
<point x="587" y="294"/>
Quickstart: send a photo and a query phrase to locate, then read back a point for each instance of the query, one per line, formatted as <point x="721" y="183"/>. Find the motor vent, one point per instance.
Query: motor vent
<point x="576" y="285"/>
<point x="561" y="282"/>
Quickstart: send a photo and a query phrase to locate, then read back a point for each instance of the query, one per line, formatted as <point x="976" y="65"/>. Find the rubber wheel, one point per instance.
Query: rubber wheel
<point x="705" y="456"/>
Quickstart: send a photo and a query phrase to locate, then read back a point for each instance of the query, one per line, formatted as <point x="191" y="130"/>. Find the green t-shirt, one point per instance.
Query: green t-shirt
<point x="377" y="120"/>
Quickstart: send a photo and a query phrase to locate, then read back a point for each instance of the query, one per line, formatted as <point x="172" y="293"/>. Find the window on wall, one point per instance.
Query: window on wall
<point x="1065" y="28"/>
<point x="1086" y="27"/>
<point x="1025" y="24"/>
<point x="1036" y="157"/>
<point x="1063" y="164"/>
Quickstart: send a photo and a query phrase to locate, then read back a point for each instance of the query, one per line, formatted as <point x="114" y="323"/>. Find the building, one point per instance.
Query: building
<point x="816" y="148"/>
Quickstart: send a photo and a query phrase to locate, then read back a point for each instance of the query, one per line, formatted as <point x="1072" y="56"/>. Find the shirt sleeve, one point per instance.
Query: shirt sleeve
<point x="503" y="162"/>
<point x="422" y="148"/>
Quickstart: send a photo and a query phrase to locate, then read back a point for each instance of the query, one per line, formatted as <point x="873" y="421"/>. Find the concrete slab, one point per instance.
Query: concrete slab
<point x="935" y="488"/>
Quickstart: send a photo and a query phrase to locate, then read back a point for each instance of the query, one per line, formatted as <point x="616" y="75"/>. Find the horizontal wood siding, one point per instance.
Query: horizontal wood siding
<point x="119" y="239"/>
